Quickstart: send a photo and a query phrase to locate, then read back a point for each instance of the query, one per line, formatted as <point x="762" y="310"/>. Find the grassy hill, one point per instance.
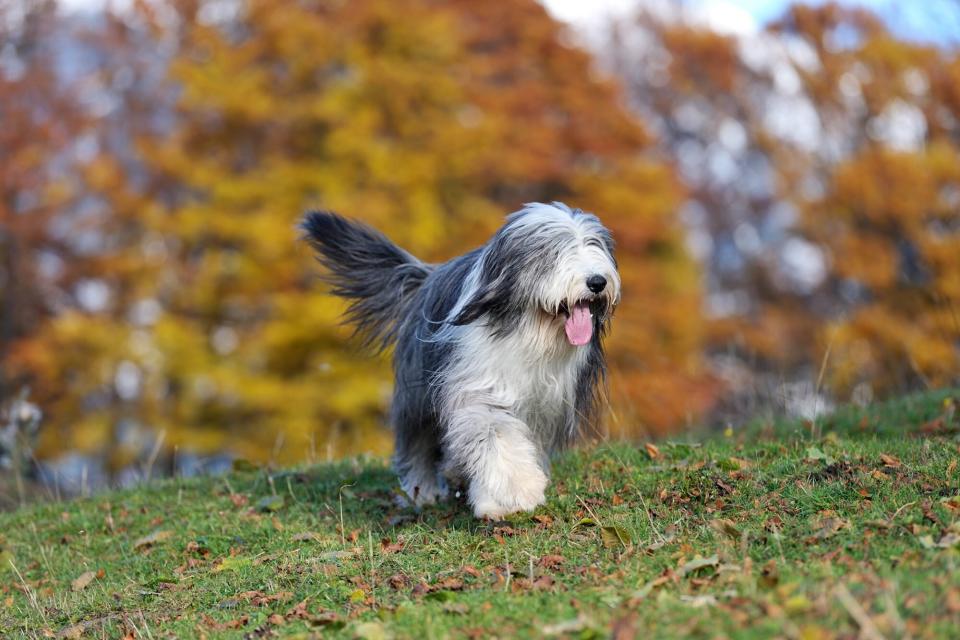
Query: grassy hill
<point x="766" y="531"/>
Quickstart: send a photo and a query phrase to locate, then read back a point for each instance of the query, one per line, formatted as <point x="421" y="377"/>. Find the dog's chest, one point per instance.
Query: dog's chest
<point x="535" y="378"/>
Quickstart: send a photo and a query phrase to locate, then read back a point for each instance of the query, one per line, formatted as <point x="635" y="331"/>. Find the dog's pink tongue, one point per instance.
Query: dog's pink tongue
<point x="579" y="325"/>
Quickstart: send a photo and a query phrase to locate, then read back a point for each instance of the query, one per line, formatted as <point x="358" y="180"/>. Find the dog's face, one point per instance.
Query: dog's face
<point x="547" y="260"/>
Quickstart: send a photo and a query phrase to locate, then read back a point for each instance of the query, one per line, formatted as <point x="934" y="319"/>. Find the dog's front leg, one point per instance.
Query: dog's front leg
<point x="493" y="450"/>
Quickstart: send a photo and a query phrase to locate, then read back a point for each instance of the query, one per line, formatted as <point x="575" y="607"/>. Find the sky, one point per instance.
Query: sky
<point x="925" y="20"/>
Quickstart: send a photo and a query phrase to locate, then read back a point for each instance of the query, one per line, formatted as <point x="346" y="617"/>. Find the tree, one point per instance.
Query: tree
<point x="820" y="158"/>
<point x="428" y="120"/>
<point x="40" y="121"/>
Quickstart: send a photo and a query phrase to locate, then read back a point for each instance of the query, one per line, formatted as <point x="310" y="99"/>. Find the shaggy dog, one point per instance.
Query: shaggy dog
<point x="498" y="358"/>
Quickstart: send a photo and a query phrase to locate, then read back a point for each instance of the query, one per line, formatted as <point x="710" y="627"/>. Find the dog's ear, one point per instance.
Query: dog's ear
<point x="494" y="296"/>
<point x="483" y="301"/>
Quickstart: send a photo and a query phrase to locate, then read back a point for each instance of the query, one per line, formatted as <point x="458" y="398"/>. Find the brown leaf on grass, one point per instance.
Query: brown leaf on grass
<point x="550" y="561"/>
<point x="696" y="564"/>
<point x="645" y="590"/>
<point x="151" y="539"/>
<point x="259" y="598"/>
<point x="299" y="611"/>
<point x="212" y="624"/>
<point x="391" y="547"/>
<point x="308" y="536"/>
<point x="448" y="584"/>
<point x="82" y="581"/>
<point x="652" y="450"/>
<point x="239" y="500"/>
<point x="72" y="632"/>
<point x="276" y="619"/>
<point x="398" y="581"/>
<point x="726" y="527"/>
<point x="828" y="527"/>
<point x="471" y="570"/>
<point x="543" y="519"/>
<point x="889" y="461"/>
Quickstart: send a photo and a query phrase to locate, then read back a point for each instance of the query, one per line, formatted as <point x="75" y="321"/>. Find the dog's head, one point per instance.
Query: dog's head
<point x="547" y="259"/>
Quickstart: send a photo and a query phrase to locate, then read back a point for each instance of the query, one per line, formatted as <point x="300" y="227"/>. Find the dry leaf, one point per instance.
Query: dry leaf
<point x="150" y="540"/>
<point x="652" y="450"/>
<point x="82" y="581"/>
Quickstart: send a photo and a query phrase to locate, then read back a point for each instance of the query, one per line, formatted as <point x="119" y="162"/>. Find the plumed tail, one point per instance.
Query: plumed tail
<point x="363" y="266"/>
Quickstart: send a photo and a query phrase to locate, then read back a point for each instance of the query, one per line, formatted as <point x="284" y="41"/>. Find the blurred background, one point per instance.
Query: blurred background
<point x="783" y="182"/>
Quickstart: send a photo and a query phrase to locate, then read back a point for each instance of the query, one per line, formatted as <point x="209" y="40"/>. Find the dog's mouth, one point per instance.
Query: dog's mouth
<point x="579" y="324"/>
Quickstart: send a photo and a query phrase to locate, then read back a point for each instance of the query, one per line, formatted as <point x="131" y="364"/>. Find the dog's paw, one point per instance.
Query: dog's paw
<point x="420" y="495"/>
<point x="523" y="492"/>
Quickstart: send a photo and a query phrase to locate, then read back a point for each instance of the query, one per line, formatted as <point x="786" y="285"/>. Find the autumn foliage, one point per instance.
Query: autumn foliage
<point x="185" y="304"/>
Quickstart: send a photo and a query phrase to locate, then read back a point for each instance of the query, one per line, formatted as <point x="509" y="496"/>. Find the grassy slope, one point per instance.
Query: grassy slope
<point x="798" y="538"/>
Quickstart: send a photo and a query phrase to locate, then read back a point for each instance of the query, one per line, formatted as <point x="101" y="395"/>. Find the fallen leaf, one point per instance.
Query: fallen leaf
<point x="652" y="450"/>
<point x="270" y="504"/>
<point x="308" y="536"/>
<point x="830" y="526"/>
<point x="543" y="519"/>
<point x="232" y="563"/>
<point x="358" y="595"/>
<point x="259" y="598"/>
<point x="151" y="539"/>
<point x="889" y="461"/>
<point x="72" y="632"/>
<point x="696" y="564"/>
<point x="82" y="581"/>
<point x="645" y="590"/>
<point x="726" y="527"/>
<point x="615" y="537"/>
<point x="550" y="561"/>
<point x="947" y="541"/>
<point x="391" y="547"/>
<point x="814" y="454"/>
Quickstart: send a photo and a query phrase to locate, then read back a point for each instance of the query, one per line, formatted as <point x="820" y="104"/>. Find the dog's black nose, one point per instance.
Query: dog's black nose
<point x="596" y="283"/>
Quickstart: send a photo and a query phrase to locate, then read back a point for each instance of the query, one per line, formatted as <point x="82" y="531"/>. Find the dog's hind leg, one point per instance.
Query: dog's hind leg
<point x="417" y="454"/>
<point x="493" y="450"/>
<point x="416" y="463"/>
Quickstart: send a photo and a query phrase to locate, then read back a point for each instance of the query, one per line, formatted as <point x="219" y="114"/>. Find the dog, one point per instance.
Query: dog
<point x="498" y="355"/>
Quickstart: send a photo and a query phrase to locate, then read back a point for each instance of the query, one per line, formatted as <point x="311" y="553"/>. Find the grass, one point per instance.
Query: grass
<point x="765" y="532"/>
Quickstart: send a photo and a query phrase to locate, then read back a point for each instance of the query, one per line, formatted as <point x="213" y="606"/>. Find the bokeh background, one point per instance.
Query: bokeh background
<point x="783" y="183"/>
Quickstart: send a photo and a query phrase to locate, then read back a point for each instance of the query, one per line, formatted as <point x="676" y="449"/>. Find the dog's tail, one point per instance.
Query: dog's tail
<point x="363" y="266"/>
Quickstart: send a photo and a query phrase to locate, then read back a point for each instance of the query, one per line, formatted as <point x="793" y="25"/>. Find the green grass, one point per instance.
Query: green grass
<point x="765" y="532"/>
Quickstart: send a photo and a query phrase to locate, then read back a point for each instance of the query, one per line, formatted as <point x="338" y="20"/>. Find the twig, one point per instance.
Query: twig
<point x="589" y="510"/>
<point x="867" y="628"/>
<point x="650" y="517"/>
<point x="816" y="389"/>
<point x="152" y="458"/>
